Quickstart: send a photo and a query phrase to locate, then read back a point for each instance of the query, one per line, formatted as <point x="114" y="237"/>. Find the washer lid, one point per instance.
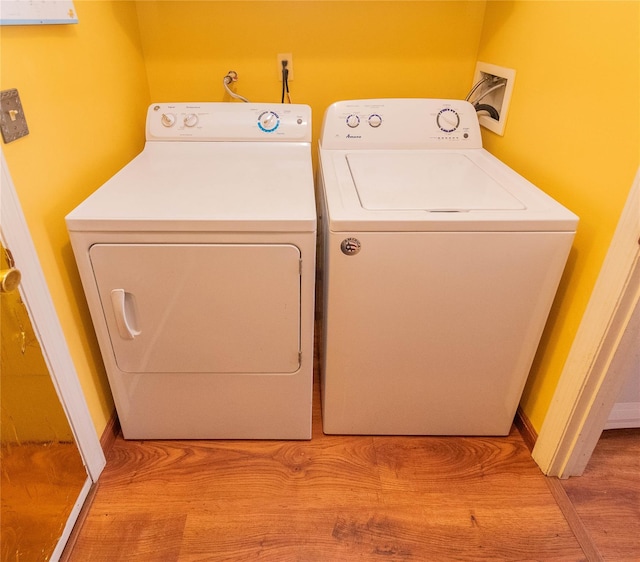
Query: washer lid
<point x="428" y="181"/>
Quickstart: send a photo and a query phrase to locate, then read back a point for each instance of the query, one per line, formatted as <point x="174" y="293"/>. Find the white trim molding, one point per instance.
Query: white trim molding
<point x="588" y="389"/>
<point x="624" y="415"/>
<point x="37" y="299"/>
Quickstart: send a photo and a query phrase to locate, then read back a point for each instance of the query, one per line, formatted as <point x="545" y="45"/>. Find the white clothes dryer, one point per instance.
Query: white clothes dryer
<point x="440" y="267"/>
<point x="198" y="264"/>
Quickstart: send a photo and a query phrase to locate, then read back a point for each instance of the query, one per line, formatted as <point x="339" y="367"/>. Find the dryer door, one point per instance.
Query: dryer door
<point x="201" y="308"/>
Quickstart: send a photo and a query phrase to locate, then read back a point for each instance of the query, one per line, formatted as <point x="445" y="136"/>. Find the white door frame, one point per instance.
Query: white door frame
<point x="587" y="389"/>
<point x="35" y="294"/>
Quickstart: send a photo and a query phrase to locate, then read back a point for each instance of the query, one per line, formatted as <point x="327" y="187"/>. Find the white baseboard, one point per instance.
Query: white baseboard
<point x="624" y="415"/>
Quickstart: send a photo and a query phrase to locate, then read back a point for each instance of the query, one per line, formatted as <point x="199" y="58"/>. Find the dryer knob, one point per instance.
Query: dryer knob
<point x="353" y="121"/>
<point x="268" y="121"/>
<point x="190" y="120"/>
<point x="168" y="119"/>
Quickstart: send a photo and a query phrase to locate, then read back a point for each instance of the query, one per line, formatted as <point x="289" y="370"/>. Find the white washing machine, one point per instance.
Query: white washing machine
<point x="440" y="268"/>
<point x="198" y="263"/>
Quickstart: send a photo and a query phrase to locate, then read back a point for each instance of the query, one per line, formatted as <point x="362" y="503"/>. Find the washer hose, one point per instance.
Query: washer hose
<point x="492" y="111"/>
<point x="232" y="76"/>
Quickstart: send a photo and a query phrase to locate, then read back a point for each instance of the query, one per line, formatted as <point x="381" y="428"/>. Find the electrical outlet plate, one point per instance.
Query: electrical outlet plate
<point x="289" y="58"/>
<point x="13" y="123"/>
<point x="499" y="98"/>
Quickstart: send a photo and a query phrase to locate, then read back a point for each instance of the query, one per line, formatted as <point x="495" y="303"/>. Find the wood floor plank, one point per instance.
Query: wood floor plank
<point x="39" y="487"/>
<point x="607" y="496"/>
<point x="243" y="472"/>
<point x="373" y="533"/>
<point x="140" y="535"/>
<point x="573" y="519"/>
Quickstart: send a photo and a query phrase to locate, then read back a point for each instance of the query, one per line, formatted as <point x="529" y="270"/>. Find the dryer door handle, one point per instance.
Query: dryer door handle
<point x="124" y="310"/>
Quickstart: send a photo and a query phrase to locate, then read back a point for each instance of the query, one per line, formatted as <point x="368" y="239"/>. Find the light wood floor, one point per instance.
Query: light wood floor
<point x="39" y="486"/>
<point x="343" y="498"/>
<point x="340" y="498"/>
<point x="606" y="497"/>
<point x="330" y="499"/>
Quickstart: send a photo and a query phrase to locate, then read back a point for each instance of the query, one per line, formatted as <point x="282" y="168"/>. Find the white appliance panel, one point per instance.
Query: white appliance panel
<point x="440" y="267"/>
<point x="396" y="124"/>
<point x="177" y="186"/>
<point x="201" y="308"/>
<point x="229" y="122"/>
<point x="198" y="263"/>
<point x="415" y="180"/>
<point x="538" y="211"/>
<point x="434" y="333"/>
<point x="201" y="406"/>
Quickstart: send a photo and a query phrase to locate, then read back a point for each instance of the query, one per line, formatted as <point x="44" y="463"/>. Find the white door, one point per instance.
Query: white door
<point x="29" y="526"/>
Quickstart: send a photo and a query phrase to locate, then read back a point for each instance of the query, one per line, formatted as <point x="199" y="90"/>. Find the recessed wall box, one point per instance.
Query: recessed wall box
<point x="494" y="90"/>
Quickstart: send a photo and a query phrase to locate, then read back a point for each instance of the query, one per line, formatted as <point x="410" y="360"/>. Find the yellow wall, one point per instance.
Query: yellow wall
<point x="341" y="50"/>
<point x="84" y="92"/>
<point x="573" y="129"/>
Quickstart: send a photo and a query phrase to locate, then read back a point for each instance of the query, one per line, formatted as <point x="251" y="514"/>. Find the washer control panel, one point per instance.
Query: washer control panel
<point x="218" y="121"/>
<point x="401" y="123"/>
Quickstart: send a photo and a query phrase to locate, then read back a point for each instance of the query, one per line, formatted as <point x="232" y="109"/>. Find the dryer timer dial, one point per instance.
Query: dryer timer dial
<point x="268" y="121"/>
<point x="448" y="120"/>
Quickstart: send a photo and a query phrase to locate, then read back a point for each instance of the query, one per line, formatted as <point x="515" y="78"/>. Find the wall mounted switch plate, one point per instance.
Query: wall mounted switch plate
<point x="13" y="123"/>
<point x="495" y="91"/>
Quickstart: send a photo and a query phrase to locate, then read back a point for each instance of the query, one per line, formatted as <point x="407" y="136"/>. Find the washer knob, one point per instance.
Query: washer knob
<point x="375" y="120"/>
<point x="353" y="121"/>
<point x="168" y="119"/>
<point x="448" y="120"/>
<point x="190" y="120"/>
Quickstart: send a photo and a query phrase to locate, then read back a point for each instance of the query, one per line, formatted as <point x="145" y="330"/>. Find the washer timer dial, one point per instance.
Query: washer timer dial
<point x="268" y="121"/>
<point x="353" y="121"/>
<point x="448" y="120"/>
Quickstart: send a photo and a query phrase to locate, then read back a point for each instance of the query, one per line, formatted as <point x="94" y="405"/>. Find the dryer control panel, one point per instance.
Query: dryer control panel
<point x="224" y="122"/>
<point x="401" y="123"/>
